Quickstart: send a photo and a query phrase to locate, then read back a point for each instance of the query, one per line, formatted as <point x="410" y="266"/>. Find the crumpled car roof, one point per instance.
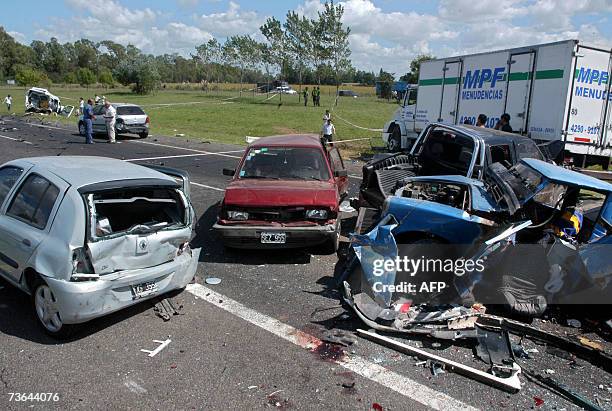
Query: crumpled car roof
<point x="80" y="171"/>
<point x="564" y="176"/>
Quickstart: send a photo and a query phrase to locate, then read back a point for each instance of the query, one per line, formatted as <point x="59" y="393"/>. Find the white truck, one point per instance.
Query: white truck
<point x="556" y="91"/>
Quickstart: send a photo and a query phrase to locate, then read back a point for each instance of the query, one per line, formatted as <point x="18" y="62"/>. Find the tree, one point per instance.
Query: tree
<point x="298" y="33"/>
<point x="140" y="71"/>
<point x="412" y="77"/>
<point x="85" y="76"/>
<point x="106" y="78"/>
<point x="335" y="39"/>
<point x="277" y="50"/>
<point x="386" y="82"/>
<point x="27" y="76"/>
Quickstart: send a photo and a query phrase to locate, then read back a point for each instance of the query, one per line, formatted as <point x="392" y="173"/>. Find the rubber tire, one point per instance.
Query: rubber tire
<point x="143" y="135"/>
<point x="65" y="332"/>
<point x="394" y="144"/>
<point x="331" y="246"/>
<point x="82" y="129"/>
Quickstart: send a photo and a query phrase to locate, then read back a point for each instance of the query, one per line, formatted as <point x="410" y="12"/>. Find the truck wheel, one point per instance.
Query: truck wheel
<point x="395" y="141"/>
<point x="82" y="129"/>
<point x="47" y="313"/>
<point x="143" y="135"/>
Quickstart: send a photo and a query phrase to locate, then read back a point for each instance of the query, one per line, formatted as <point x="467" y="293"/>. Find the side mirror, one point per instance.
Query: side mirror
<point x="340" y="173"/>
<point x="229" y="172"/>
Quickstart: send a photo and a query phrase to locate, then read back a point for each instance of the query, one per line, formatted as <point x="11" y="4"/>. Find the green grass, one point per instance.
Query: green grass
<point x="224" y="116"/>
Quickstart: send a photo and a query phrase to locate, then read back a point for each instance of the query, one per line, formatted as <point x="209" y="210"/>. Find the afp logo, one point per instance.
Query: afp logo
<point x="477" y="78"/>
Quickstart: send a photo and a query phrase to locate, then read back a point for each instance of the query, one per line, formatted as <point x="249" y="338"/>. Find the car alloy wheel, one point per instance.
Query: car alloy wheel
<point x="47" y="309"/>
<point x="82" y="129"/>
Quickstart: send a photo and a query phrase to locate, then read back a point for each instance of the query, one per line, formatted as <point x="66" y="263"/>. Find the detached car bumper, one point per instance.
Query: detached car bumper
<point x="249" y="236"/>
<point x="79" y="302"/>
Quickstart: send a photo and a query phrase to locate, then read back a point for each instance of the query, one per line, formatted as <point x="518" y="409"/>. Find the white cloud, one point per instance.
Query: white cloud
<point x="18" y="36"/>
<point x="231" y="22"/>
<point x="111" y="13"/>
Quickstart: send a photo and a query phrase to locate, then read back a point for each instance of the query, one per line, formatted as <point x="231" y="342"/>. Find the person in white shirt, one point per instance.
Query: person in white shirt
<point x="81" y="105"/>
<point x="328" y="132"/>
<point x="110" y="116"/>
<point x="326" y="116"/>
<point x="8" y="100"/>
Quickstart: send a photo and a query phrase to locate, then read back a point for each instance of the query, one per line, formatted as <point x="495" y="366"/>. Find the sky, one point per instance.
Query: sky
<point x="385" y="34"/>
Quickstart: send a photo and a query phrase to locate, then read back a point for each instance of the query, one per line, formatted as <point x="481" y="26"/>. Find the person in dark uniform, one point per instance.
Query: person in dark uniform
<point x="504" y="123"/>
<point x="305" y="95"/>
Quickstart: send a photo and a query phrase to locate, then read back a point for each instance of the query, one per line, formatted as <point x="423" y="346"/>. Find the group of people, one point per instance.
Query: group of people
<point x="315" y="94"/>
<point x="110" y="116"/>
<point x="503" y="124"/>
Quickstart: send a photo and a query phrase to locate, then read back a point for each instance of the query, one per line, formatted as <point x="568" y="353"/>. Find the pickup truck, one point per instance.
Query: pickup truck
<point x="443" y="149"/>
<point x="285" y="193"/>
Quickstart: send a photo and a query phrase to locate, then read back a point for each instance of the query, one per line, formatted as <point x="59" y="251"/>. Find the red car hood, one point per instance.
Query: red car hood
<point x="279" y="193"/>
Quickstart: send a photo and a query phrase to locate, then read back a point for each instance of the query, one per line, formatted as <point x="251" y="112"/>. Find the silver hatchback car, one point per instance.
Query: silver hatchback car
<point x="87" y="236"/>
<point x="131" y="119"/>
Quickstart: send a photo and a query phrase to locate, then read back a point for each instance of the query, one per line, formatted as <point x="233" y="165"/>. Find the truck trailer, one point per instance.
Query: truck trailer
<point x="555" y="91"/>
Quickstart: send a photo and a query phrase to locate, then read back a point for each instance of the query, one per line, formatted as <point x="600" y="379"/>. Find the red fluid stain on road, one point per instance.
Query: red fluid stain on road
<point x="329" y="352"/>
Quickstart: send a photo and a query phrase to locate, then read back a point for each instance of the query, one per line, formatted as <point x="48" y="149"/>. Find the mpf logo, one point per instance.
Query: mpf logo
<point x="477" y="78"/>
<point x="590" y="76"/>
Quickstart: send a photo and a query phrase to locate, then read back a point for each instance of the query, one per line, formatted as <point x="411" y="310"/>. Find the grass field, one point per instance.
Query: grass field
<point x="225" y="116"/>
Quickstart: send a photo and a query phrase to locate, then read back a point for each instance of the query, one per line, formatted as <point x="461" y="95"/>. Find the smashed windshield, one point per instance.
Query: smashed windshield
<point x="278" y="163"/>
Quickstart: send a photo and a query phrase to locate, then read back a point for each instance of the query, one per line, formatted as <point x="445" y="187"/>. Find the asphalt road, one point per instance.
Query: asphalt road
<point x="245" y="343"/>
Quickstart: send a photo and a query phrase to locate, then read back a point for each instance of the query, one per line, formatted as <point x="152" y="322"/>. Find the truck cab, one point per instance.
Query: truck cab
<point x="403" y="129"/>
<point x="443" y="149"/>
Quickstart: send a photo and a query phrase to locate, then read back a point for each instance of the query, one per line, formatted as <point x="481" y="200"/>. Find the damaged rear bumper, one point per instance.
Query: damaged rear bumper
<point x="249" y="236"/>
<point x="79" y="302"/>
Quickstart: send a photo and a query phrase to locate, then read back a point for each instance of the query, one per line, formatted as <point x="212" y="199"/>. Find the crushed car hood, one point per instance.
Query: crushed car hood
<point x="262" y="193"/>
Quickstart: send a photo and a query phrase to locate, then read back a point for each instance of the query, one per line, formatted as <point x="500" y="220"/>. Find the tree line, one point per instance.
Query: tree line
<point x="299" y="50"/>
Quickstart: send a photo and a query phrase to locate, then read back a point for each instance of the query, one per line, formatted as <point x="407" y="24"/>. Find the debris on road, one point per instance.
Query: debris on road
<point x="338" y="337"/>
<point x="165" y="309"/>
<point x="212" y="280"/>
<point x="162" y="345"/>
<point x="562" y="390"/>
<point x="574" y="323"/>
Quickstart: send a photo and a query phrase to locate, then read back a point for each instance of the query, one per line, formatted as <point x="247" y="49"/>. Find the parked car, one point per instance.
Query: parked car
<point x="285" y="192"/>
<point x="285" y="90"/>
<point x="87" y="236"/>
<point x="131" y="119"/>
<point x="347" y="93"/>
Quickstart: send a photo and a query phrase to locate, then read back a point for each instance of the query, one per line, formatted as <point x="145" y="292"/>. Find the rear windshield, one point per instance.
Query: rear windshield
<point x="287" y="163"/>
<point x="129" y="111"/>
<point x="136" y="211"/>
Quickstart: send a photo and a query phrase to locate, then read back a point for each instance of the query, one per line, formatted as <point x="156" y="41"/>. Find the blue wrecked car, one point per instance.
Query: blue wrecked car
<point x="542" y="232"/>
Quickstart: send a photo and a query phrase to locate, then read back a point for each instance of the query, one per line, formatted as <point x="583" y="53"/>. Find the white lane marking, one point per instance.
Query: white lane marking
<point x="354" y="176"/>
<point x="209" y="187"/>
<point x="392" y="380"/>
<point x="165" y="157"/>
<point x="45" y="126"/>
<point x="223" y="153"/>
<point x="10" y="138"/>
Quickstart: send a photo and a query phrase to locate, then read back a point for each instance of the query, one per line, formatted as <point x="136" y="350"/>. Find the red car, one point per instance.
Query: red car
<point x="285" y="193"/>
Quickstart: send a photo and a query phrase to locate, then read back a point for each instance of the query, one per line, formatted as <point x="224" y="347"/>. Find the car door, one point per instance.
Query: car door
<point x="9" y="176"/>
<point x="338" y="168"/>
<point x="99" y="125"/>
<point x="26" y="219"/>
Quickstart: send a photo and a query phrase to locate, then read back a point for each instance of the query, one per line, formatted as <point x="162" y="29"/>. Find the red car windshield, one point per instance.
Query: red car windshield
<point x="285" y="163"/>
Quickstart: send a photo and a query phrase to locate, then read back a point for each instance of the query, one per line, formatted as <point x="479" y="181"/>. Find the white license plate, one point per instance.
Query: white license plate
<point x="273" y="238"/>
<point x="144" y="289"/>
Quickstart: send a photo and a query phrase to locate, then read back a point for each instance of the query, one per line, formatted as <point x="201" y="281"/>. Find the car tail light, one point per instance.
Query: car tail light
<point x="82" y="269"/>
<point x="148" y="120"/>
<point x="184" y="248"/>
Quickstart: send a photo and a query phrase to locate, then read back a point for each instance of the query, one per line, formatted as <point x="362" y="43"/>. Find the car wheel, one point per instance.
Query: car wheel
<point x="47" y="311"/>
<point x="332" y="245"/>
<point x="395" y="140"/>
<point x="82" y="129"/>
<point x="143" y="135"/>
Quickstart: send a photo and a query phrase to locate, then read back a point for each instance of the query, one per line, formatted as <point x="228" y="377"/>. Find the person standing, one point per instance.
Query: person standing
<point x="481" y="121"/>
<point x="8" y="100"/>
<point x="504" y="123"/>
<point x="328" y="132"/>
<point x="110" y="116"/>
<point x="313" y="94"/>
<point x="326" y="116"/>
<point x="88" y="117"/>
<point x="96" y="99"/>
<point x="305" y="95"/>
<point x="318" y="96"/>
<point x="81" y="105"/>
